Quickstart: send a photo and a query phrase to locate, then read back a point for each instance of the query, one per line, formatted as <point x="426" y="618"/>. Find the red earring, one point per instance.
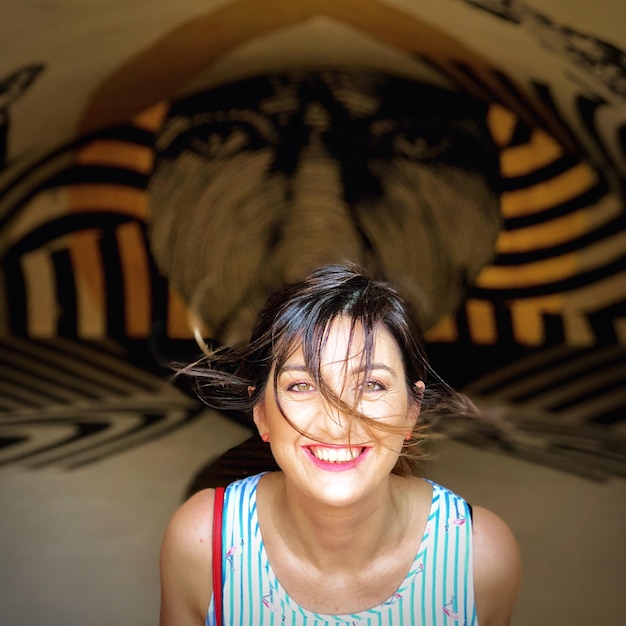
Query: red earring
<point x="407" y="437"/>
<point x="265" y="437"/>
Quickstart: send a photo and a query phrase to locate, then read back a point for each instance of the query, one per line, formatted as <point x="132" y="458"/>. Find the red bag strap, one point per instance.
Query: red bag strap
<point x="218" y="508"/>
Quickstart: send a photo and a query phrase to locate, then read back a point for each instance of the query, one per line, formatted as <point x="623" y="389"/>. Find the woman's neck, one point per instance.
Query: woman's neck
<point x="334" y="538"/>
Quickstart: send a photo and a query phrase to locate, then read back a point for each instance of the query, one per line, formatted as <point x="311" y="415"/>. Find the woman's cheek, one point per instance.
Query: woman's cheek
<point x="300" y="411"/>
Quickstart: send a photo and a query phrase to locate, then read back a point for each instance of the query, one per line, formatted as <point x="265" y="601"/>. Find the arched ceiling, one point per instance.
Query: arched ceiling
<point x="103" y="62"/>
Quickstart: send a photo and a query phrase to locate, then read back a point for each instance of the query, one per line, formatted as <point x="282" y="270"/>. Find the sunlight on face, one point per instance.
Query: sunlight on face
<point x="378" y="392"/>
<point x="325" y="452"/>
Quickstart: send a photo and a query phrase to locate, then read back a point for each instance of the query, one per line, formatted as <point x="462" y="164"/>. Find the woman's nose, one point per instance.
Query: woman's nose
<point x="336" y="421"/>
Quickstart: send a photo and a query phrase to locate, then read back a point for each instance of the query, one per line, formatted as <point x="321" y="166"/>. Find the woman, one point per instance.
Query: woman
<point x="345" y="533"/>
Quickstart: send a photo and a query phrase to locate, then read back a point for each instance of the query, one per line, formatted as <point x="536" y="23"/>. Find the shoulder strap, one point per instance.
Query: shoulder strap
<point x="218" y="507"/>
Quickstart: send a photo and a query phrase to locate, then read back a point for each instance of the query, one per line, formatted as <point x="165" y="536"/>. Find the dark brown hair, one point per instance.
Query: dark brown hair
<point x="300" y="315"/>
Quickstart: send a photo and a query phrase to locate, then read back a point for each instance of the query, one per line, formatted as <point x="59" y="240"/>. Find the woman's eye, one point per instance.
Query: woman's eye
<point x="372" y="385"/>
<point x="300" y="387"/>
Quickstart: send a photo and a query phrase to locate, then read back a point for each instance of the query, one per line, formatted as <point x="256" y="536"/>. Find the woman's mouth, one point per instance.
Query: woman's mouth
<point x="336" y="458"/>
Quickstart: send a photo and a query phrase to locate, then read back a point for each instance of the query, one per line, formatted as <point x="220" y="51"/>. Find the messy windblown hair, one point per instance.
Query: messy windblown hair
<point x="300" y="316"/>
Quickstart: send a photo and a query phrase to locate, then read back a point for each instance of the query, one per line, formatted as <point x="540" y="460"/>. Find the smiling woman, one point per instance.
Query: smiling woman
<point x="345" y="532"/>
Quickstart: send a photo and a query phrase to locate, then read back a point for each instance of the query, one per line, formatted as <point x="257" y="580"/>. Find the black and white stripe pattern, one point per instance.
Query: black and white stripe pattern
<point x="573" y="200"/>
<point x="564" y="407"/>
<point x="67" y="404"/>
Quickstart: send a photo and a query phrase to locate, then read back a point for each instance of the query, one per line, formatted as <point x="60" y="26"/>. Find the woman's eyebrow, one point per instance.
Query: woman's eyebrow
<point x="297" y="367"/>
<point x="375" y="366"/>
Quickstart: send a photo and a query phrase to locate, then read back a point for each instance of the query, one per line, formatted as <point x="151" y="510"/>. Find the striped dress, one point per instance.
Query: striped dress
<point x="437" y="591"/>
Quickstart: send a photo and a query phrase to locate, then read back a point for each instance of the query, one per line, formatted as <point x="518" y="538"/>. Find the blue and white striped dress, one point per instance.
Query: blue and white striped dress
<point x="437" y="591"/>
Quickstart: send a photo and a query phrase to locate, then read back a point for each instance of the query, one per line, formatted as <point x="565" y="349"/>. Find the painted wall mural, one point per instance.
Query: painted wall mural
<point x="161" y="166"/>
<point x="263" y="180"/>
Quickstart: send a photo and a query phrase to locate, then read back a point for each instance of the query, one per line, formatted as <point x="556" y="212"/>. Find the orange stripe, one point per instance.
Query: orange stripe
<point x="527" y="315"/>
<point x="553" y="233"/>
<point x="90" y="287"/>
<point x="539" y="273"/>
<point x="137" y="292"/>
<point x="177" y="317"/>
<point x="151" y="118"/>
<point x="481" y="321"/>
<point x="540" y="151"/>
<point x="444" y="330"/>
<point x="41" y="291"/>
<point x="100" y="197"/>
<point x="567" y="186"/>
<point x="111" y="153"/>
<point x="502" y="124"/>
<point x="91" y="197"/>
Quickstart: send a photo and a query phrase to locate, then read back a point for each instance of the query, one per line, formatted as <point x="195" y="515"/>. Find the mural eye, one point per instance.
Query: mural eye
<point x="222" y="142"/>
<point x="424" y="146"/>
<point x="423" y="142"/>
<point x="215" y="134"/>
<point x="226" y="139"/>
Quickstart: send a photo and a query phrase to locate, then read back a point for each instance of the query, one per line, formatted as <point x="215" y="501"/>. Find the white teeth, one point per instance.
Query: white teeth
<point x="335" y="455"/>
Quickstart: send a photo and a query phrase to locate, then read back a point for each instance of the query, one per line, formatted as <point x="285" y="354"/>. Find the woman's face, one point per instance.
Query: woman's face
<point x="339" y="459"/>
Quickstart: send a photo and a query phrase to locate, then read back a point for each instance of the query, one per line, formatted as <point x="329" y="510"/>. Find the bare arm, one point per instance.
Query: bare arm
<point x="497" y="569"/>
<point x="186" y="563"/>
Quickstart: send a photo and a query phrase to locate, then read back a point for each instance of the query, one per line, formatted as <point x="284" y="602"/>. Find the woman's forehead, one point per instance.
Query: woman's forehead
<point x="345" y="342"/>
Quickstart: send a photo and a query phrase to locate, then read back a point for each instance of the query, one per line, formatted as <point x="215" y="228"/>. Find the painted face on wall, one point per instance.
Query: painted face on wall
<point x="284" y="173"/>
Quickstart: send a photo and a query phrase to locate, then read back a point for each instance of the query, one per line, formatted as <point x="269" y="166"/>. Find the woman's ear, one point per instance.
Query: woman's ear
<point x="258" y="415"/>
<point x="415" y="413"/>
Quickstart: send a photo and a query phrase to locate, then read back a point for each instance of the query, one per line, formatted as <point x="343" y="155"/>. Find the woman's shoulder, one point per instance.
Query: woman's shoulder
<point x="190" y="529"/>
<point x="186" y="559"/>
<point x="192" y="521"/>
<point x="189" y="532"/>
<point x="431" y="494"/>
<point x="496" y="561"/>
<point x="438" y="489"/>
<point x="497" y="568"/>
